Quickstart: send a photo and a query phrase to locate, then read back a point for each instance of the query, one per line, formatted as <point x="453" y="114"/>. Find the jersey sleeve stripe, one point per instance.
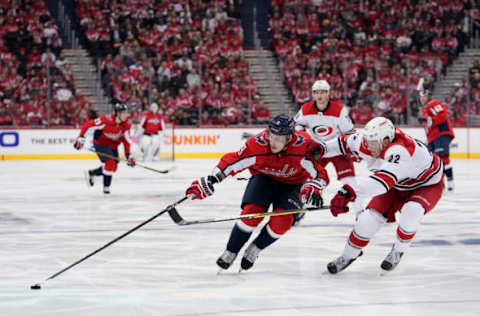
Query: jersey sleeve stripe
<point x="386" y="178"/>
<point x="240" y="165"/>
<point x="309" y="167"/>
<point x="381" y="181"/>
<point x="410" y="184"/>
<point x="93" y="129"/>
<point x="340" y="145"/>
<point x="388" y="173"/>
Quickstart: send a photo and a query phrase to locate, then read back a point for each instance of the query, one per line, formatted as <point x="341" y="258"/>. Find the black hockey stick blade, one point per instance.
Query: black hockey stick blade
<point x="172" y="212"/>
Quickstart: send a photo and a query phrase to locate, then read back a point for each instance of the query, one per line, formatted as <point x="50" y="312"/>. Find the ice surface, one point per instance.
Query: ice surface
<point x="49" y="219"/>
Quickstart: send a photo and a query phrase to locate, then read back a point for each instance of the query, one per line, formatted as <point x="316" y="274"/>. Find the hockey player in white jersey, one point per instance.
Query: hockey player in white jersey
<point x="325" y="119"/>
<point x="405" y="177"/>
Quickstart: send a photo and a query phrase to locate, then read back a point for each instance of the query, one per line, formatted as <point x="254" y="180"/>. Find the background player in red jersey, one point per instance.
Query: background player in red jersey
<point x="434" y="117"/>
<point x="284" y="175"/>
<point x="152" y="125"/>
<point x="110" y="130"/>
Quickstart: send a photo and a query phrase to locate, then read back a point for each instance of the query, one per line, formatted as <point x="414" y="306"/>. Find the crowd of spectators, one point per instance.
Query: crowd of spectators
<point x="186" y="56"/>
<point x="464" y="97"/>
<point x="372" y="52"/>
<point x="36" y="83"/>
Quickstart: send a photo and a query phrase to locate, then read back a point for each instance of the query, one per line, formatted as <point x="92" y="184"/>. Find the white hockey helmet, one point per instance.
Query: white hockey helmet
<point x="378" y="128"/>
<point x="321" y="85"/>
<point x="154" y="107"/>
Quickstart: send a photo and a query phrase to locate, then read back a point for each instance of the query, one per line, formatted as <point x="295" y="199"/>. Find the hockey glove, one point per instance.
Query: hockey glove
<point x="338" y="205"/>
<point x="79" y="143"/>
<point x="311" y="193"/>
<point x="201" y="188"/>
<point x="131" y="162"/>
<point x="316" y="150"/>
<point x="426" y="121"/>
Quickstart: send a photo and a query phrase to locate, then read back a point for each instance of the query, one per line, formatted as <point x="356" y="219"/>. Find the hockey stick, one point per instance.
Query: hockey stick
<point x="172" y="206"/>
<point x="179" y="220"/>
<point x="136" y="164"/>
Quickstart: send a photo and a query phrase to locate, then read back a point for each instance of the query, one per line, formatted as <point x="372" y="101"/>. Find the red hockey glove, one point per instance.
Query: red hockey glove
<point x="79" y="143"/>
<point x="338" y="205"/>
<point x="201" y="188"/>
<point x="316" y="150"/>
<point x="311" y="193"/>
<point x="131" y="162"/>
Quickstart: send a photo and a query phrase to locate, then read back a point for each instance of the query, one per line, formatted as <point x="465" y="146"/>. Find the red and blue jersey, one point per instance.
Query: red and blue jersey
<point x="108" y="133"/>
<point x="438" y="123"/>
<point x="291" y="166"/>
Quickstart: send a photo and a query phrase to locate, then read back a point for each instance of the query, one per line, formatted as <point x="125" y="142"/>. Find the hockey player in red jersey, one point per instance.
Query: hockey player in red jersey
<point x="152" y="125"/>
<point x="325" y="119"/>
<point x="110" y="130"/>
<point x="405" y="177"/>
<point x="284" y="175"/>
<point x="434" y="117"/>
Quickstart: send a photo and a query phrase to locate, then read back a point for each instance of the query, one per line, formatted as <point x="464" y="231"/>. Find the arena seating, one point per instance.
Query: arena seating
<point x="372" y="52"/>
<point x="188" y="59"/>
<point x="36" y="83"/>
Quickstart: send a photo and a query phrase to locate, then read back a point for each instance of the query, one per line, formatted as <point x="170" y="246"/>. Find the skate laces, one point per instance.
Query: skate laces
<point x="394" y="256"/>
<point x="251" y="253"/>
<point x="341" y="261"/>
<point x="228" y="256"/>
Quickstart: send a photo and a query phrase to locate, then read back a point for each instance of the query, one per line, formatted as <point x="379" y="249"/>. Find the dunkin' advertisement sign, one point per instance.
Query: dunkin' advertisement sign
<point x="183" y="142"/>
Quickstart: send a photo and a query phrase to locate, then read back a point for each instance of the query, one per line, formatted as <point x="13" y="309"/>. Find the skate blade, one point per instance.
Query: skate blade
<point x="87" y="179"/>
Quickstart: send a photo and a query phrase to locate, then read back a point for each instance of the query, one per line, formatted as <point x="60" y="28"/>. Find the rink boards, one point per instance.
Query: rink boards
<point x="28" y="144"/>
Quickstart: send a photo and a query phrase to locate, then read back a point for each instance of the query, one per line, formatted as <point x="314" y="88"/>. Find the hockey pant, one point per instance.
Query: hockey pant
<point x="370" y="221"/>
<point x="241" y="232"/>
<point x="150" y="146"/>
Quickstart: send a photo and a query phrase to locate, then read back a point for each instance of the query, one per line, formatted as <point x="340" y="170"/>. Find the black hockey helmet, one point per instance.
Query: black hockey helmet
<point x="281" y="124"/>
<point x="119" y="107"/>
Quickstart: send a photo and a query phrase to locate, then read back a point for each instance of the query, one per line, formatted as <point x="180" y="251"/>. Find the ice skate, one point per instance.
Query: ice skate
<point x="106" y="190"/>
<point x="340" y="264"/>
<point x="450" y="185"/>
<point x="392" y="260"/>
<point x="89" y="178"/>
<point x="226" y="260"/>
<point x="249" y="257"/>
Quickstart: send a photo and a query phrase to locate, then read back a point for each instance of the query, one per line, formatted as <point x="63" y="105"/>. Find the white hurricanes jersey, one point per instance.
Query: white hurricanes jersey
<point x="406" y="164"/>
<point x="324" y="125"/>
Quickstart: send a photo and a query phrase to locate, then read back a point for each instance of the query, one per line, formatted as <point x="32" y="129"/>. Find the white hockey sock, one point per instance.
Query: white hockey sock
<point x="367" y="224"/>
<point x="408" y="223"/>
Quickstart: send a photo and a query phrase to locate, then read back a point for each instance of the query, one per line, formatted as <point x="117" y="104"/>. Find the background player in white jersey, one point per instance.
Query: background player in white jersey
<point x="152" y="126"/>
<point x="325" y="119"/>
<point x="405" y="177"/>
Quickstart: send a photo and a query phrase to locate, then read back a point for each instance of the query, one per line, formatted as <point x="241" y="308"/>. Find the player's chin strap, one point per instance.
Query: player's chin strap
<point x="179" y="220"/>
<point x="136" y="164"/>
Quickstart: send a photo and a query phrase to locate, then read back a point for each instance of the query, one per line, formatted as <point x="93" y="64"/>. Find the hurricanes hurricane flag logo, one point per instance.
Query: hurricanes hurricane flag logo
<point x="321" y="130"/>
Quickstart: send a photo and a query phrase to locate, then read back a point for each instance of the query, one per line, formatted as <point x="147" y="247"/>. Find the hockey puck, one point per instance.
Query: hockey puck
<point x="35" y="287"/>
